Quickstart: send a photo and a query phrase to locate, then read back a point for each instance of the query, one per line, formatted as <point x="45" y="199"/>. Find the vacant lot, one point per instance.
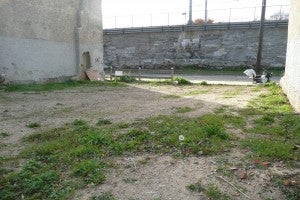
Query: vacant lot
<point x="148" y="141"/>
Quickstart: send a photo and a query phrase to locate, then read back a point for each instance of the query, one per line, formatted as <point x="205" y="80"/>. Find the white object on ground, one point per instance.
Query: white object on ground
<point x="250" y="73"/>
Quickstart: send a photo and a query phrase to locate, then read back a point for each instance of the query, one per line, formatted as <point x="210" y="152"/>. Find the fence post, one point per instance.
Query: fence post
<point x="172" y="73"/>
<point x="280" y="17"/>
<point x="140" y="73"/>
<point x="111" y="71"/>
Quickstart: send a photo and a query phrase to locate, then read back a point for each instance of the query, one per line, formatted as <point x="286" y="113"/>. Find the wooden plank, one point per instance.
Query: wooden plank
<point x="93" y="75"/>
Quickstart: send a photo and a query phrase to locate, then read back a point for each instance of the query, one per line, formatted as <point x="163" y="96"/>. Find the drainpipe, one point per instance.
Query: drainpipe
<point x="77" y="36"/>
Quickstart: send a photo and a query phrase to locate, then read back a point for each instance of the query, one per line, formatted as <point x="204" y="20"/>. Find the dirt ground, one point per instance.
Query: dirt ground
<point x="141" y="176"/>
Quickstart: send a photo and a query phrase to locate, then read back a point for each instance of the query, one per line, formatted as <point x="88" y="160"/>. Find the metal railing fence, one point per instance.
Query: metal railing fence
<point x="245" y="14"/>
<point x="203" y="27"/>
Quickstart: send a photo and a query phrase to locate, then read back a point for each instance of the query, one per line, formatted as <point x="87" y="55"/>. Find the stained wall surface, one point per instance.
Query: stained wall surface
<point x="38" y="40"/>
<point x="211" y="48"/>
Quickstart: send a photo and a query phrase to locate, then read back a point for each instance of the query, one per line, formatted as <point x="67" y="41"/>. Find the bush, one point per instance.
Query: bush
<point x="126" y="79"/>
<point x="198" y="21"/>
<point x="201" y="21"/>
<point x="182" y="81"/>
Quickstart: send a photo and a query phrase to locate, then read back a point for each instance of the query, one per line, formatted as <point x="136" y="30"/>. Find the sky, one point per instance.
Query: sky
<point x="136" y="13"/>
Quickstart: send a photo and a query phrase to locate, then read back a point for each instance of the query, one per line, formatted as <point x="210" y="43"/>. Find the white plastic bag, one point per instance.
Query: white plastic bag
<point x="250" y="73"/>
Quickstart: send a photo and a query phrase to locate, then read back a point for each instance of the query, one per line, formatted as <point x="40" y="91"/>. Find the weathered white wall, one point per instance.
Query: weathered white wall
<point x="291" y="80"/>
<point x="37" y="38"/>
<point x="91" y="33"/>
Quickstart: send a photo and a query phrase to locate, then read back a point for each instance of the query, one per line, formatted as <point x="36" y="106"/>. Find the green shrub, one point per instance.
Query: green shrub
<point x="203" y="83"/>
<point x="126" y="79"/>
<point x="182" y="81"/>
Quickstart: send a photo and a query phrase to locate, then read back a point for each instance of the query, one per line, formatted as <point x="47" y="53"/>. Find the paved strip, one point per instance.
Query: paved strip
<point x="224" y="79"/>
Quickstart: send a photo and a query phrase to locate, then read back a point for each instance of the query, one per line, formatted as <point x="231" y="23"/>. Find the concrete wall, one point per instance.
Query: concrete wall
<point x="38" y="38"/>
<point x="220" y="48"/>
<point x="91" y="34"/>
<point x="291" y="80"/>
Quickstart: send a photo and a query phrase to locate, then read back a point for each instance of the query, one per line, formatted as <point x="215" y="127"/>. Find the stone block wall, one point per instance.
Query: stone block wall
<point x="211" y="48"/>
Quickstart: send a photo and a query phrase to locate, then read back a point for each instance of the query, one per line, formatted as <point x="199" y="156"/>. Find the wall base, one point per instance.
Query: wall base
<point x="292" y="93"/>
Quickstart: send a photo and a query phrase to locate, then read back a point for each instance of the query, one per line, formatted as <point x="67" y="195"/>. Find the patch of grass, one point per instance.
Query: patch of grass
<point x="145" y="160"/>
<point x="130" y="180"/>
<point x="123" y="125"/>
<point x="79" y="152"/>
<point x="270" y="149"/>
<point x="102" y="122"/>
<point x="194" y="69"/>
<point x="273" y="118"/>
<point x="182" y="81"/>
<point x="63" y="110"/>
<point x="196" y="187"/>
<point x="161" y="82"/>
<point x="257" y="88"/>
<point x="79" y="122"/>
<point x="184" y="109"/>
<point x="272" y="124"/>
<point x="57" y="86"/>
<point x="90" y="170"/>
<point x="125" y="79"/>
<point x="272" y="129"/>
<point x="221" y="110"/>
<point x="213" y="192"/>
<point x="281" y="127"/>
<point x="104" y="196"/>
<point x="201" y="134"/>
<point x="249" y="111"/>
<point x="34" y="181"/>
<point x="291" y="124"/>
<point x="227" y="120"/>
<point x="291" y="192"/>
<point x="4" y="134"/>
<point x="196" y="92"/>
<point x="203" y="83"/>
<point x="171" y="96"/>
<point x="265" y="120"/>
<point x="233" y="92"/>
<point x="274" y="101"/>
<point x="33" y="125"/>
<point x="265" y="124"/>
<point x="176" y="81"/>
